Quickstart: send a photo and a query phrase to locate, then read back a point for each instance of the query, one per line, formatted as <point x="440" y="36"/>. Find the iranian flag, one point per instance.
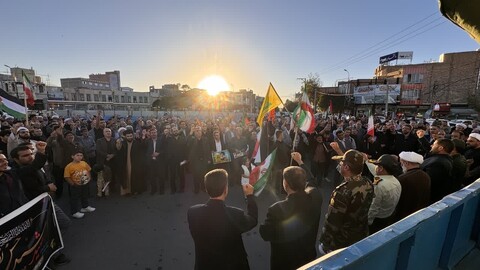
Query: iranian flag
<point x="261" y="173"/>
<point x="371" y="127"/>
<point x="27" y="88"/>
<point x="256" y="156"/>
<point x="303" y="115"/>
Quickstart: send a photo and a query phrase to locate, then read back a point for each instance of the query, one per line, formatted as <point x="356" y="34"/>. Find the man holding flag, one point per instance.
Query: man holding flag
<point x="291" y="225"/>
<point x="217" y="228"/>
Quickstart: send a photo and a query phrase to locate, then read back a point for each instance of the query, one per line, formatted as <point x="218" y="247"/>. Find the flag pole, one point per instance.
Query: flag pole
<point x="25" y="103"/>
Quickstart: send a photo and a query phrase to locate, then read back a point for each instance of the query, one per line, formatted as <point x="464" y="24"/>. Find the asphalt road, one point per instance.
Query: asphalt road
<point x="151" y="232"/>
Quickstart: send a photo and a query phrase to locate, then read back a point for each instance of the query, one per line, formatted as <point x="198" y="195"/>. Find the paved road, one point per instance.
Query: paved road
<point x="151" y="232"/>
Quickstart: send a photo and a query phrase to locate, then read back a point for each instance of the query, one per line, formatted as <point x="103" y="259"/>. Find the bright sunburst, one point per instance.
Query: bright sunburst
<point x="214" y="84"/>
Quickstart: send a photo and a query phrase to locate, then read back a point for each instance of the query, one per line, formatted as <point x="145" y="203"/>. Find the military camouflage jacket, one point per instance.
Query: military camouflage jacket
<point x="346" y="221"/>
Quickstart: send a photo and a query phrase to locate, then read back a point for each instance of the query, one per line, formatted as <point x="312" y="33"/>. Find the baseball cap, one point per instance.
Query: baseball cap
<point x="389" y="162"/>
<point x="352" y="158"/>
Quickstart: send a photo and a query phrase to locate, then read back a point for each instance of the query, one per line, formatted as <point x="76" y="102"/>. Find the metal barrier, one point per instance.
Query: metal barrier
<point x="438" y="236"/>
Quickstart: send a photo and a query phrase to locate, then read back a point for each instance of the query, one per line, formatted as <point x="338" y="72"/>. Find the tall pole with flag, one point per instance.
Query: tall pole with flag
<point x="28" y="97"/>
<point x="272" y="100"/>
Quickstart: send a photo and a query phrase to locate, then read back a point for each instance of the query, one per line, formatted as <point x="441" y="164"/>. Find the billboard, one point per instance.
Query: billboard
<point x="376" y="94"/>
<point x="405" y="55"/>
<point x="395" y="56"/>
<point x="389" y="57"/>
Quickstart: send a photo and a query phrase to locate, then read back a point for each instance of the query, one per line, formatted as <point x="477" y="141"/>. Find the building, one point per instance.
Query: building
<point x="453" y="80"/>
<point x="167" y="90"/>
<point x="84" y="83"/>
<point x="110" y="77"/>
<point x="452" y="83"/>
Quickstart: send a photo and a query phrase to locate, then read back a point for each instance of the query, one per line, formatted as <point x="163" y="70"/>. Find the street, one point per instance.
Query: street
<point x="151" y="231"/>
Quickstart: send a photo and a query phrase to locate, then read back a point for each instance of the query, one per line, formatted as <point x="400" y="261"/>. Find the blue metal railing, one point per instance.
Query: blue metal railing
<point x="438" y="236"/>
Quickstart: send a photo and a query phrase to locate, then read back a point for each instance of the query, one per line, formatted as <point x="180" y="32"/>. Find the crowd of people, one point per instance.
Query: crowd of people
<point x="380" y="179"/>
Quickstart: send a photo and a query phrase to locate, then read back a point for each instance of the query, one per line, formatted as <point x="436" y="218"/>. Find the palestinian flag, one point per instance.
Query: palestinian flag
<point x="12" y="105"/>
<point x="27" y="88"/>
<point x="261" y="173"/>
<point x="303" y="115"/>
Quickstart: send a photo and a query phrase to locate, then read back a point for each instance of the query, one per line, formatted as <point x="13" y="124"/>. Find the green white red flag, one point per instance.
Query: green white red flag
<point x="260" y="174"/>
<point x="27" y="88"/>
<point x="371" y="127"/>
<point x="304" y="116"/>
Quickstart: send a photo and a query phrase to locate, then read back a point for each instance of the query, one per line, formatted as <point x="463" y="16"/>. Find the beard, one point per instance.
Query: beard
<point x="24" y="137"/>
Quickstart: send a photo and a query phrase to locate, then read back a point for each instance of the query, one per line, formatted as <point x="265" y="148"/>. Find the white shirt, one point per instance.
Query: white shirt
<point x="387" y="193"/>
<point x="245" y="175"/>
<point x="218" y="145"/>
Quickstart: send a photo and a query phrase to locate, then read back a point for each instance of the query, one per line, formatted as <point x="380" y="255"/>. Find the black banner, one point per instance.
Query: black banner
<point x="30" y="235"/>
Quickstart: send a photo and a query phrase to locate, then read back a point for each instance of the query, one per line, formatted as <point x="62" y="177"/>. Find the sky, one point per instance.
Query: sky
<point x="249" y="43"/>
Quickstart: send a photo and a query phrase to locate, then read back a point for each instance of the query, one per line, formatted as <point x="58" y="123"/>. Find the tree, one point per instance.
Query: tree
<point x="312" y="83"/>
<point x="290" y="105"/>
<point x="185" y="87"/>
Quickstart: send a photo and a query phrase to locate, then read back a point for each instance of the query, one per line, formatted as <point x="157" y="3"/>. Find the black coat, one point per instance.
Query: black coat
<point x="291" y="227"/>
<point x="217" y="232"/>
<point x="11" y="193"/>
<point x="34" y="181"/>
<point x="137" y="159"/>
<point x="439" y="168"/>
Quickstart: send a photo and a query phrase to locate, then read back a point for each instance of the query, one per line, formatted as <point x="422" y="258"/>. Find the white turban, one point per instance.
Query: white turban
<point x="475" y="135"/>
<point x="411" y="157"/>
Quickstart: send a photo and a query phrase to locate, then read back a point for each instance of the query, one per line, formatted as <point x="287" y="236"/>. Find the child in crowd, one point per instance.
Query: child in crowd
<point x="246" y="168"/>
<point x="77" y="174"/>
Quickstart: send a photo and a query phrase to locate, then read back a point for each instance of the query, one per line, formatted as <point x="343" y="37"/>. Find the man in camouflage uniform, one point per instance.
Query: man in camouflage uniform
<point x="346" y="221"/>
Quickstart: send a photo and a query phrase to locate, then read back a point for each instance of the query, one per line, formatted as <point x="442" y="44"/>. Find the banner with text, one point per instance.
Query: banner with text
<point x="376" y="94"/>
<point x="30" y="235"/>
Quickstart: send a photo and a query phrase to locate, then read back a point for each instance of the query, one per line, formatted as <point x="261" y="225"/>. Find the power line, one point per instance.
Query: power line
<point x="367" y="52"/>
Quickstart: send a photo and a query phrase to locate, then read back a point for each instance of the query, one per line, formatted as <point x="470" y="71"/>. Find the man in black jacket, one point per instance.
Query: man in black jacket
<point x="11" y="190"/>
<point x="217" y="228"/>
<point x="292" y="224"/>
<point x="29" y="169"/>
<point x="439" y="167"/>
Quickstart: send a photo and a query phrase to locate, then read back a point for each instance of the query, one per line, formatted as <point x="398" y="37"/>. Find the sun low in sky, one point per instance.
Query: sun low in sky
<point x="214" y="84"/>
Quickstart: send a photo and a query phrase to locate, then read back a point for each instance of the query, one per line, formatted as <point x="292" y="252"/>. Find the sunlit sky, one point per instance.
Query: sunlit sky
<point x="249" y="43"/>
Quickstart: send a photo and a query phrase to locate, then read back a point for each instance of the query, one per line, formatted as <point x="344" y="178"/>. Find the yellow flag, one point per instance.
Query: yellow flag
<point x="271" y="101"/>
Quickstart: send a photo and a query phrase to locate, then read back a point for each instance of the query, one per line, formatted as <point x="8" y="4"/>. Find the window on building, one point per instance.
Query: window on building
<point x="82" y="97"/>
<point x="123" y="99"/>
<point x="129" y="99"/>
<point x="89" y="97"/>
<point x="110" y="98"/>
<point x="104" y="98"/>
<point x="116" y="99"/>
<point x="90" y="83"/>
<point x="413" y="78"/>
<point x="134" y="99"/>
<point x="410" y="94"/>
<point x="96" y="97"/>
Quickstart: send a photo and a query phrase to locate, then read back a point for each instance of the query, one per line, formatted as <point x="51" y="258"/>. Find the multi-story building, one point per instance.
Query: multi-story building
<point x="416" y="88"/>
<point x="167" y="90"/>
<point x="110" y="77"/>
<point x="453" y="80"/>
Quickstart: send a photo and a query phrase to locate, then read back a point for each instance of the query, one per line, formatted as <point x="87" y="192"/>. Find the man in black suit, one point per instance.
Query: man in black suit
<point x="217" y="228"/>
<point x="156" y="162"/>
<point x="105" y="156"/>
<point x="291" y="225"/>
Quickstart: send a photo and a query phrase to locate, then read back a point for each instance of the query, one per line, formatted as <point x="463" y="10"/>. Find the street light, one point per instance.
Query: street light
<point x="348" y="79"/>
